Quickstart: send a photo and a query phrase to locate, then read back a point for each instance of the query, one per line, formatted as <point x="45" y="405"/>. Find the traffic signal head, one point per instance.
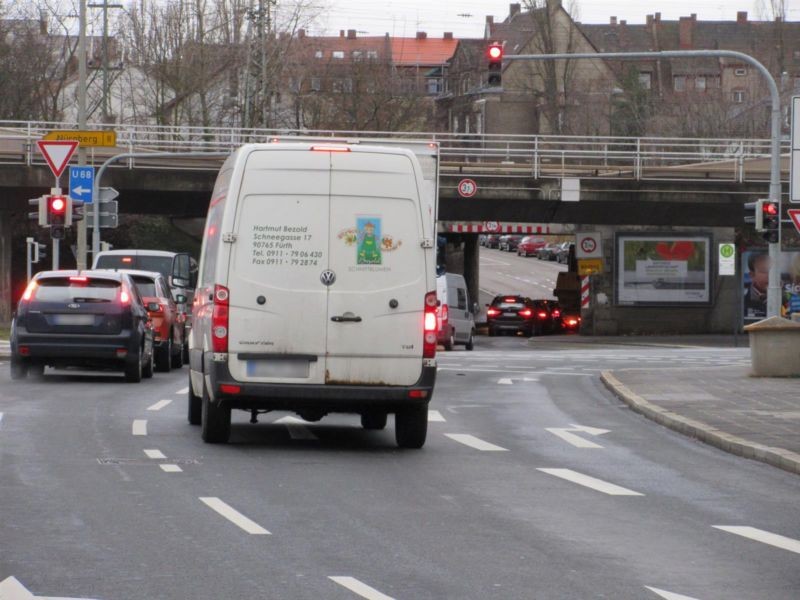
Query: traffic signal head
<point x="74" y="211"/>
<point x="56" y="215"/>
<point x="39" y="252"/>
<point x="494" y="53"/>
<point x="40" y="214"/>
<point x="770" y="221"/>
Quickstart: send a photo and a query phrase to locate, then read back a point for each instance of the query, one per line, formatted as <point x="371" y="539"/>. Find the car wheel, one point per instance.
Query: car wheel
<point x="373" y="420"/>
<point x="216" y="420"/>
<point x="19" y="369"/>
<point x="195" y="405"/>
<point x="185" y="350"/>
<point x="471" y="341"/>
<point x="450" y="342"/>
<point x="164" y="356"/>
<point x="177" y="358"/>
<point x="411" y="426"/>
<point x="133" y="368"/>
<point x="148" y="368"/>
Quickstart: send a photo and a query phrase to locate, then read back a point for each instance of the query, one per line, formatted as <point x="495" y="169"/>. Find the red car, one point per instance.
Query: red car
<point x="169" y="322"/>
<point x="529" y="246"/>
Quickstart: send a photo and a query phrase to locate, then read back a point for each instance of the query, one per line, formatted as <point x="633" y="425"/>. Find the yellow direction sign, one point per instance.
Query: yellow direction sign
<point x="590" y="266"/>
<point x="87" y="139"/>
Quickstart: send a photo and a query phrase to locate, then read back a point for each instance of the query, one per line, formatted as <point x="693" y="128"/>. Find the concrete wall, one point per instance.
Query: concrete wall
<point x="5" y="271"/>
<point x="720" y="316"/>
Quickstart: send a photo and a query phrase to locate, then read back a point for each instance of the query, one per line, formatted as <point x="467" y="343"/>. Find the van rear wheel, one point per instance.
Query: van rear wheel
<point x="373" y="420"/>
<point x="411" y="426"/>
<point x="216" y="420"/>
<point x="19" y="369"/>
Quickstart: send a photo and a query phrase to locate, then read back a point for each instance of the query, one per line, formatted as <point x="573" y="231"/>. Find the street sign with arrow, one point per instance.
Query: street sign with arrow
<point x="81" y="184"/>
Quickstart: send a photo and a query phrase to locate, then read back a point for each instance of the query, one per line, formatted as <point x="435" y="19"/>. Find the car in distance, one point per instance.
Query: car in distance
<point x="548" y="251"/>
<point x="562" y="256"/>
<point x="92" y="319"/>
<point x="529" y="245"/>
<point x="492" y="240"/>
<point x="509" y="243"/>
<point x="168" y="321"/>
<point x="455" y="313"/>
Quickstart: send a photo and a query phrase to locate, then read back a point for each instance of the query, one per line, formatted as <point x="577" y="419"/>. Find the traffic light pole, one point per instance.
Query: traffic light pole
<point x="774" y="289"/>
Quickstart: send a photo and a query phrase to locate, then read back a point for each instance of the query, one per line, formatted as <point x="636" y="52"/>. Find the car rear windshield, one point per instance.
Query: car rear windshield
<point x="145" y="285"/>
<point x="160" y="264"/>
<point x="509" y="303"/>
<point x="66" y="291"/>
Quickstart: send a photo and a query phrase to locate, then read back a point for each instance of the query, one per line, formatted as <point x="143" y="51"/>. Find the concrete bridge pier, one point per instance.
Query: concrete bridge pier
<point x="5" y="268"/>
<point x="461" y="255"/>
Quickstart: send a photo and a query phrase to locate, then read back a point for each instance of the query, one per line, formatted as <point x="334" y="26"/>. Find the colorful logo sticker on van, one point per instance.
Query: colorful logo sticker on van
<point x="369" y="240"/>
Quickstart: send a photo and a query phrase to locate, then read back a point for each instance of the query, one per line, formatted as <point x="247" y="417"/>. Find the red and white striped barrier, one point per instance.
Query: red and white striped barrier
<point x="496" y="227"/>
<point x="584" y="292"/>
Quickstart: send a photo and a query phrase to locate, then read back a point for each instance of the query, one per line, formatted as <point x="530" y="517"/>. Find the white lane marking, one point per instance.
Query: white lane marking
<point x="234" y="516"/>
<point x="297" y="429"/>
<point x="357" y="587"/>
<point x="765" y="537"/>
<point x="494" y="261"/>
<point x="434" y="416"/>
<point x="139" y="427"/>
<point x="154" y="454"/>
<point x="555" y="374"/>
<point x="505" y="382"/>
<point x="590" y="482"/>
<point x="565" y="433"/>
<point x="183" y="391"/>
<point x="1" y="419"/>
<point x="12" y="589"/>
<point x="168" y="468"/>
<point x="159" y="405"/>
<point x="668" y="595"/>
<point x="473" y="442"/>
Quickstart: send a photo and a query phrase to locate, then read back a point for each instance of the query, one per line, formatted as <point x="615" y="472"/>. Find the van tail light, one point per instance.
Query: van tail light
<point x="429" y="326"/>
<point x="525" y="312"/>
<point x="219" y="320"/>
<point x="444" y="313"/>
<point x="28" y="293"/>
<point x="227" y="388"/>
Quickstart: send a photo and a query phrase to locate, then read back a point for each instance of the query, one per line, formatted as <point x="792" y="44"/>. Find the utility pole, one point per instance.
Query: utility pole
<point x="81" y="242"/>
<point x="258" y="95"/>
<point x="105" y="6"/>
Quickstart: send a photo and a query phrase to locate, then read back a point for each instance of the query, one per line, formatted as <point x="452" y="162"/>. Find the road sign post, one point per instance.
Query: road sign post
<point x="794" y="162"/>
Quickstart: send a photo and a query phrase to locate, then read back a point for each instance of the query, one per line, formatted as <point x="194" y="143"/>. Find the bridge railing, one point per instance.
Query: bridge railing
<point x="727" y="159"/>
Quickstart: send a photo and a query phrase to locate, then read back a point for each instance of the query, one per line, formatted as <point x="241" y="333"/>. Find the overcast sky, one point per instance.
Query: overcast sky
<point x="466" y="18"/>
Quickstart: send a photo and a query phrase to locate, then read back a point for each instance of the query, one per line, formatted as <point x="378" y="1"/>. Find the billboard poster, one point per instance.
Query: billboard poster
<point x="755" y="280"/>
<point x="663" y="269"/>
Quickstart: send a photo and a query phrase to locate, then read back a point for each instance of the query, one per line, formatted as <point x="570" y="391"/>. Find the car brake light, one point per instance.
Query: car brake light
<point x="330" y="149"/>
<point x="127" y="259"/>
<point x="542" y="314"/>
<point x="525" y="312"/>
<point x="78" y="279"/>
<point x="28" y="293"/>
<point x="219" y="319"/>
<point x="429" y="326"/>
<point x="556" y="313"/>
<point x="510" y="300"/>
<point x="124" y="297"/>
<point x="492" y="312"/>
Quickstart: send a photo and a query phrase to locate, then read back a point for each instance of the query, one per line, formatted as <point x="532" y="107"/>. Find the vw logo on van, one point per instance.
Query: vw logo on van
<point x="327" y="277"/>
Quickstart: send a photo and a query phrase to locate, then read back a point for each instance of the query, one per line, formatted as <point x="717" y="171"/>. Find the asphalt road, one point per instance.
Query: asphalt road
<point x="535" y="483"/>
<point x="507" y="273"/>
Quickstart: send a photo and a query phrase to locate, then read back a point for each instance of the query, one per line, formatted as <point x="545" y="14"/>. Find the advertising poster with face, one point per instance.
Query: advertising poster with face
<point x="755" y="280"/>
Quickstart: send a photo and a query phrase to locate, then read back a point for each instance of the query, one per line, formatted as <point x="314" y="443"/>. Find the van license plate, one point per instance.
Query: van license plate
<point x="73" y="319"/>
<point x="294" y="369"/>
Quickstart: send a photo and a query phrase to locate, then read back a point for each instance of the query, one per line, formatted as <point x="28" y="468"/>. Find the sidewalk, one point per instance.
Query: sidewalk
<point x="754" y="417"/>
<point x="5" y="349"/>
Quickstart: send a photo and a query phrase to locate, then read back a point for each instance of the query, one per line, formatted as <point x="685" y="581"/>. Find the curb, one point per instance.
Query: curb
<point x="777" y="457"/>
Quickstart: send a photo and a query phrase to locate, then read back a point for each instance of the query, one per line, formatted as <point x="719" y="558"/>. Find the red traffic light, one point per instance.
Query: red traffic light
<point x="58" y="204"/>
<point x="770" y="208"/>
<point x="495" y="52"/>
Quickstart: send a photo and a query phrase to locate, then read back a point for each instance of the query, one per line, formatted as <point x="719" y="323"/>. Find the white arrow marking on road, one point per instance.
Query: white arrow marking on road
<point x="80" y="190"/>
<point x="154" y="454"/>
<point x="297" y="429"/>
<point x="590" y="482"/>
<point x="12" y="589"/>
<point x="139" y="427"/>
<point x="668" y="595"/>
<point x="234" y="516"/>
<point x="765" y="537"/>
<point x="167" y="468"/>
<point x="505" y="382"/>
<point x="183" y="391"/>
<point x="1" y="419"/>
<point x="473" y="442"/>
<point x="362" y="589"/>
<point x="159" y="405"/>
<point x="434" y="416"/>
<point x="565" y="433"/>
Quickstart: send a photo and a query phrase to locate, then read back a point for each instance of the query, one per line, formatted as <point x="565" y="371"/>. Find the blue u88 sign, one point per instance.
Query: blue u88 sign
<point x="81" y="183"/>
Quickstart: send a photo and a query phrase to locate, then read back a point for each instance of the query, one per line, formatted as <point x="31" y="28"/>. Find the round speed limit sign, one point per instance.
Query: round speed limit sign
<point x="588" y="245"/>
<point x="467" y="188"/>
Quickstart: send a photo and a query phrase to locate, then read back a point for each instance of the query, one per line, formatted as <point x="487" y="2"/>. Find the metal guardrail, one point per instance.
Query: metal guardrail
<point x="722" y="159"/>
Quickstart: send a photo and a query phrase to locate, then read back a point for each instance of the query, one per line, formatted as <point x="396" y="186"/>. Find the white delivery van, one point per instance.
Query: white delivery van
<point x="317" y="290"/>
<point x="456" y="323"/>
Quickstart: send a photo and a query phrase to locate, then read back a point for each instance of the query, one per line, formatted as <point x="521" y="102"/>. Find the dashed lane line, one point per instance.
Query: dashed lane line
<point x="296" y="428"/>
<point x="359" y="588"/>
<point x="765" y="537"/>
<point x="590" y="482"/>
<point x="516" y="372"/>
<point x="474" y="442"/>
<point x="505" y="381"/>
<point x="168" y="468"/>
<point x="159" y="405"/>
<point x="1" y="419"/>
<point x="234" y="516"/>
<point x="154" y="454"/>
<point x="139" y="427"/>
<point x="183" y="390"/>
<point x="668" y="595"/>
<point x="434" y="416"/>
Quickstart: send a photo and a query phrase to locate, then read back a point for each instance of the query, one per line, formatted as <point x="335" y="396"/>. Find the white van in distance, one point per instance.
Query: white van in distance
<point x="317" y="289"/>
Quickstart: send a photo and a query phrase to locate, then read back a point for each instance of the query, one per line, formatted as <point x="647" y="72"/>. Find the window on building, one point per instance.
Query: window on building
<point x="646" y="80"/>
<point x="679" y="83"/>
<point x="738" y="96"/>
<point x="433" y="85"/>
<point x="700" y="84"/>
<point x="797" y="82"/>
<point x="796" y="55"/>
<point x="455" y="123"/>
<point x="357" y="54"/>
<point x="466" y="124"/>
<point x="338" y="54"/>
<point x="712" y="82"/>
<point x="343" y="85"/>
<point x="319" y="54"/>
<point x="316" y="84"/>
<point x="372" y="54"/>
<point x="740" y="72"/>
<point x="479" y="123"/>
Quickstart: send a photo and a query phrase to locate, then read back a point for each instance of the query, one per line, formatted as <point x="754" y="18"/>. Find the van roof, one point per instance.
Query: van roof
<point x="136" y="253"/>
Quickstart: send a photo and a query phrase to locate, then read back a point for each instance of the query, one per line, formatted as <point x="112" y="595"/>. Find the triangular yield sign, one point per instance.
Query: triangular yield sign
<point x="794" y="215"/>
<point x="57" y="153"/>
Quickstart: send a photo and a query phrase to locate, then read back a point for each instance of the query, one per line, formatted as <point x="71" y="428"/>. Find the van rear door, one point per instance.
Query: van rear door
<point x="375" y="306"/>
<point x="278" y="306"/>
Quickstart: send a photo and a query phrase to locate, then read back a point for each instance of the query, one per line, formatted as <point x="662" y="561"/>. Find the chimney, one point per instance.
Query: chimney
<point x="489" y="20"/>
<point x="448" y="35"/>
<point x="513" y="10"/>
<point x="686" y="31"/>
<point x="341" y="33"/>
<point x="351" y="34"/>
<point x="42" y="26"/>
<point x="301" y="33"/>
<point x="649" y="20"/>
<point x="623" y="22"/>
<point x="421" y="35"/>
<point x="658" y="17"/>
<point x="613" y="21"/>
<point x="741" y="17"/>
